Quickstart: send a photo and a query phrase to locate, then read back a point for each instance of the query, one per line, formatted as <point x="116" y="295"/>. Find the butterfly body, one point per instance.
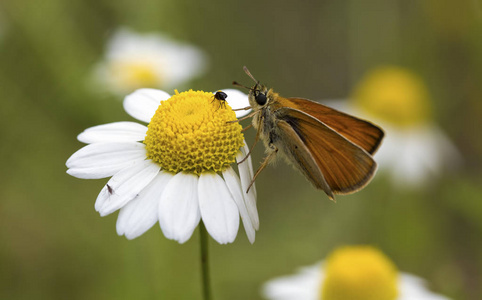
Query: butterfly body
<point x="330" y="148"/>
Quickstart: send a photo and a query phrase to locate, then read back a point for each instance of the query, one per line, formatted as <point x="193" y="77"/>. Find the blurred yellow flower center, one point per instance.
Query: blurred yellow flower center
<point x="394" y="95"/>
<point x="136" y="74"/>
<point x="359" y="273"/>
<point x="189" y="132"/>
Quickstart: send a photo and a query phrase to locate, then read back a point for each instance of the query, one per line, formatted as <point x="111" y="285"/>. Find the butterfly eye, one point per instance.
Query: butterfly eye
<point x="260" y="98"/>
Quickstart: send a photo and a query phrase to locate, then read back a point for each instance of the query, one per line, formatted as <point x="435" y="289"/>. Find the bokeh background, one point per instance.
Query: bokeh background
<point x="55" y="246"/>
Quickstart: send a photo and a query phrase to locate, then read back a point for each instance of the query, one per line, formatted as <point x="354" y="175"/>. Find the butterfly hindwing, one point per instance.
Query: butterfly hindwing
<point x="344" y="166"/>
<point x="294" y="147"/>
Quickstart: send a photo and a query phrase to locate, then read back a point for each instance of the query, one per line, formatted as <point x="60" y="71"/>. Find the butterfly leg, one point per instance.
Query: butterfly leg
<point x="266" y="161"/>
<point x="251" y="149"/>
<point x="245" y="117"/>
<point x="247" y="127"/>
<point x="255" y="141"/>
<point x="244" y="108"/>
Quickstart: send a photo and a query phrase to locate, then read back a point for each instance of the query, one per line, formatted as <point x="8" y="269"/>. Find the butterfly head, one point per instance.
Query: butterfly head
<point x="259" y="95"/>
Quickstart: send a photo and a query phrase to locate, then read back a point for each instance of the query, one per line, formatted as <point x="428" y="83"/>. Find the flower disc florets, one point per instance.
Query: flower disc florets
<point x="359" y="273"/>
<point x="190" y="133"/>
<point x="394" y="95"/>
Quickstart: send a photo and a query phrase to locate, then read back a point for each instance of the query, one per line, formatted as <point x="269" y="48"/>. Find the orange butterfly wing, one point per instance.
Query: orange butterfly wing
<point x="344" y="166"/>
<point x="360" y="132"/>
<point x="296" y="150"/>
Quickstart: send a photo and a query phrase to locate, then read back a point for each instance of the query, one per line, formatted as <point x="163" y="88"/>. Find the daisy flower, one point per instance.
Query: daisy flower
<point x="151" y="60"/>
<point x="350" y="273"/>
<point x="414" y="149"/>
<point x="170" y="171"/>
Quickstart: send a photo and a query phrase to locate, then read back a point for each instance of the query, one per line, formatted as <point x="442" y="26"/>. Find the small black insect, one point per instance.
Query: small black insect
<point x="221" y="97"/>
<point x="110" y="189"/>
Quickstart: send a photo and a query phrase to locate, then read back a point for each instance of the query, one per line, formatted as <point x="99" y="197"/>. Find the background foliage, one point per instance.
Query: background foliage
<point x="55" y="246"/>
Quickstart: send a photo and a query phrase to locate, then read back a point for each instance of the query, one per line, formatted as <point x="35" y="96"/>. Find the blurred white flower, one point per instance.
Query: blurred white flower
<point x="134" y="61"/>
<point x="414" y="149"/>
<point x="350" y="273"/>
<point x="170" y="170"/>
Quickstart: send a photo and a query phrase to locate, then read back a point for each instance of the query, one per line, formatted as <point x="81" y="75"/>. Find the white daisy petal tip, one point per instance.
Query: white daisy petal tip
<point x="121" y="222"/>
<point x="234" y="185"/>
<point x="178" y="207"/>
<point x="113" y="132"/>
<point x="126" y="185"/>
<point x="304" y="285"/>
<point x="100" y="160"/>
<point x="237" y="99"/>
<point x="413" y="287"/>
<point x="246" y="177"/>
<point x="143" y="103"/>
<point x="219" y="211"/>
<point x="140" y="214"/>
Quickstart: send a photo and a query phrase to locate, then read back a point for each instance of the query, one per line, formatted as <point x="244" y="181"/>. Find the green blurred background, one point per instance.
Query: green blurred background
<point x="55" y="246"/>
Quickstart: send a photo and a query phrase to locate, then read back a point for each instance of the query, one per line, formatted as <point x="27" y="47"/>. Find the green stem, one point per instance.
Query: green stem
<point x="206" y="282"/>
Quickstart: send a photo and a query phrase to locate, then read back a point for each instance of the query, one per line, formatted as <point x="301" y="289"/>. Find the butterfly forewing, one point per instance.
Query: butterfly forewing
<point x="345" y="167"/>
<point x="360" y="132"/>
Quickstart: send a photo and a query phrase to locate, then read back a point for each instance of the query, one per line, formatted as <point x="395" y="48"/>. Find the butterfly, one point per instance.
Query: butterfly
<point x="332" y="149"/>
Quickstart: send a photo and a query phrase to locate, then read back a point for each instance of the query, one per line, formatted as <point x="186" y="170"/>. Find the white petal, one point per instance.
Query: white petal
<point x="417" y="159"/>
<point x="143" y="103"/>
<point x="449" y="152"/>
<point x="237" y="99"/>
<point x="413" y="288"/>
<point x="304" y="285"/>
<point x="182" y="62"/>
<point x="414" y="155"/>
<point x="246" y="178"/>
<point x="102" y="160"/>
<point x="140" y="214"/>
<point x="245" y="149"/>
<point x="179" y="207"/>
<point x="218" y="209"/>
<point x="234" y="185"/>
<point x="125" y="186"/>
<point x="114" y="132"/>
<point x="174" y="62"/>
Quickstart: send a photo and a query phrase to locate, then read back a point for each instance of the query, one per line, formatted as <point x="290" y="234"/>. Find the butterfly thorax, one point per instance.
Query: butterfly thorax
<point x="266" y="117"/>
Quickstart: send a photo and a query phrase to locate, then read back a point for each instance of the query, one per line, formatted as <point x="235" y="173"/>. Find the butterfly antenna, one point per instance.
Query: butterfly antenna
<point x="249" y="74"/>
<point x="239" y="84"/>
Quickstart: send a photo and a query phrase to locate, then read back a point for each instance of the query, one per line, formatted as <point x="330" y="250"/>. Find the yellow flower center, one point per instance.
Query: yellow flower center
<point x="135" y="74"/>
<point x="190" y="132"/>
<point x="359" y="273"/>
<point x="394" y="95"/>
